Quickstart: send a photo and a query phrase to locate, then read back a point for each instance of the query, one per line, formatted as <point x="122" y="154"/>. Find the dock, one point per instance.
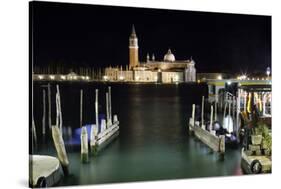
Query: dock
<point x="216" y="143"/>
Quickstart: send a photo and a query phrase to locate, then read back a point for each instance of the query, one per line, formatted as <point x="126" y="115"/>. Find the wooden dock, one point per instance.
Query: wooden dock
<point x="216" y="143"/>
<point x="109" y="127"/>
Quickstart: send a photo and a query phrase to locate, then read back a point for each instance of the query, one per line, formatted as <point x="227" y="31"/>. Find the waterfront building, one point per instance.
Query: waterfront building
<point x="203" y="76"/>
<point x="168" y="70"/>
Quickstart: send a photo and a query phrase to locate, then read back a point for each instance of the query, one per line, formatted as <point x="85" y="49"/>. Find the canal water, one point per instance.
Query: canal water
<point x="153" y="143"/>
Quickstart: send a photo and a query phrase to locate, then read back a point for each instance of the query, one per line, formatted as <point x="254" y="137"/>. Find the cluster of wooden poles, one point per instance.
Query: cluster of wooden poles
<point x="229" y="108"/>
<point x="213" y="113"/>
<point x="105" y="124"/>
<point x="56" y="129"/>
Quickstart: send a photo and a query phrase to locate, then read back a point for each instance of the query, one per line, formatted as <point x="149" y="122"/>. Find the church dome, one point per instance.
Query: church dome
<point x="169" y="57"/>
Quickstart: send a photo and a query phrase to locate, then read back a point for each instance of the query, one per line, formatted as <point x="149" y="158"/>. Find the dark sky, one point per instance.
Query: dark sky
<point x="91" y="35"/>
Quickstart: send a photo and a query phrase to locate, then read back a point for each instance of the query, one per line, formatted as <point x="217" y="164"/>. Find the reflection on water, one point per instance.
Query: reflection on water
<point x="153" y="142"/>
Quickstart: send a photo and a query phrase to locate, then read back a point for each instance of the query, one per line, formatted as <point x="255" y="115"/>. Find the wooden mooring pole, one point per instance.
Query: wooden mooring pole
<point x="44" y="113"/>
<point x="110" y="105"/>
<point x="216" y="111"/>
<point x="49" y="107"/>
<point x="211" y="119"/>
<point x="57" y="137"/>
<point x="193" y="114"/>
<point x="107" y="110"/>
<point x="59" y="108"/>
<point x="202" y="112"/>
<point x="34" y="135"/>
<point x="84" y="134"/>
<point x="237" y="114"/>
<point x="95" y="127"/>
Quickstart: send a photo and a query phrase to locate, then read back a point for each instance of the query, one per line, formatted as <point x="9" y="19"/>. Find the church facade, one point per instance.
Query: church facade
<point x="168" y="70"/>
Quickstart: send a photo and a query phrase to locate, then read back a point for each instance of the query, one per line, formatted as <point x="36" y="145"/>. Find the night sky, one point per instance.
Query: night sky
<point x="76" y="35"/>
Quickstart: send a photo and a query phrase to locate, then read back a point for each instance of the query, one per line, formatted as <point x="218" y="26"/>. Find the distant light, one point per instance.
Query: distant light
<point x="74" y="77"/>
<point x="87" y="77"/>
<point x="159" y="70"/>
<point x="198" y="81"/>
<point x="243" y="77"/>
<point x="155" y="78"/>
<point x="52" y="77"/>
<point x="137" y="77"/>
<point x="219" y="77"/>
<point x="62" y="77"/>
<point x="229" y="82"/>
<point x="268" y="71"/>
<point x="105" y="77"/>
<point x="121" y="77"/>
<point x="176" y="78"/>
<point x="41" y="76"/>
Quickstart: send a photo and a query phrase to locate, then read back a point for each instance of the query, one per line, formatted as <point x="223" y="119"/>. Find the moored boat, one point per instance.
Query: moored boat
<point x="44" y="171"/>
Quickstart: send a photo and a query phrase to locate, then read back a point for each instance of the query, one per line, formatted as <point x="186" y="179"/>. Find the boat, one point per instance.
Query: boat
<point x="44" y="171"/>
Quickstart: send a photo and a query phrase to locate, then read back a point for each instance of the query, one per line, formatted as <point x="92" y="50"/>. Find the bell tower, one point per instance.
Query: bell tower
<point x="133" y="49"/>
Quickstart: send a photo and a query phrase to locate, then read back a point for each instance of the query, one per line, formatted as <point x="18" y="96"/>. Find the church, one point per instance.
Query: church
<point x="168" y="70"/>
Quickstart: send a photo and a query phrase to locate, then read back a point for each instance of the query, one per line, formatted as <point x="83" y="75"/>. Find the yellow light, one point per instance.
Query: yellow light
<point x="74" y="77"/>
<point x="155" y="78"/>
<point x="87" y="77"/>
<point x="219" y="77"/>
<point x="105" y="77"/>
<point x="121" y="77"/>
<point x="249" y="103"/>
<point x="62" y="77"/>
<point x="40" y="77"/>
<point x="52" y="77"/>
<point x="137" y="77"/>
<point x="176" y="78"/>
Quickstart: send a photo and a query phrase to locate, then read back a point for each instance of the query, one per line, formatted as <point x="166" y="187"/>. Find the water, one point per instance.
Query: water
<point x="153" y="143"/>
